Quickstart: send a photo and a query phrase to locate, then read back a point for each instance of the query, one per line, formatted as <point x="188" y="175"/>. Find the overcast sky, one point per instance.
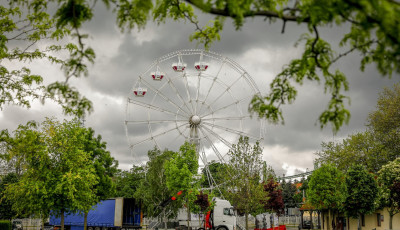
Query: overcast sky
<point x="259" y="47"/>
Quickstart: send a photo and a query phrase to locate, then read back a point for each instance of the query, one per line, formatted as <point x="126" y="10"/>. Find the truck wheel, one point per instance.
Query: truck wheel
<point x="222" y="228"/>
<point x="90" y="228"/>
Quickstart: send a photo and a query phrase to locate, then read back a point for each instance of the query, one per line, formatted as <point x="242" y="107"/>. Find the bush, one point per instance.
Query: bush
<point x="5" y="225"/>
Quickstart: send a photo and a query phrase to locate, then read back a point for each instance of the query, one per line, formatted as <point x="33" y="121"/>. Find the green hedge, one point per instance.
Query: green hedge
<point x="5" y="225"/>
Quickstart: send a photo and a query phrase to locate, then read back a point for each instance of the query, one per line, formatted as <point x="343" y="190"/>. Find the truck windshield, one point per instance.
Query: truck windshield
<point x="229" y="212"/>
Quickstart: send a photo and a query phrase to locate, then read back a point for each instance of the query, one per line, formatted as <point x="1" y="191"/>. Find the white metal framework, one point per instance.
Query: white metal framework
<point x="192" y="95"/>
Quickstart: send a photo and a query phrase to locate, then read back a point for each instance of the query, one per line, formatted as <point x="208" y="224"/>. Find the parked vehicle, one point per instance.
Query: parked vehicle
<point x="306" y="225"/>
<point x="16" y="225"/>
<point x="112" y="214"/>
<point x="222" y="217"/>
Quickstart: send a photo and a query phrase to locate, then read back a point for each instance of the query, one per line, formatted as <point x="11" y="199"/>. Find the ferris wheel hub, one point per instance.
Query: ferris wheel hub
<point x="195" y="120"/>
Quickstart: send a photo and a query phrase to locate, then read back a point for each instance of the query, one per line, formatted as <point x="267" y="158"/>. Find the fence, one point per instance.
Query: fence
<point x="290" y="220"/>
<point x="296" y="220"/>
<point x="30" y="223"/>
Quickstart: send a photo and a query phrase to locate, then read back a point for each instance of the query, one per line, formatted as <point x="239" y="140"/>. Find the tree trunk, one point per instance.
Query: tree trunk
<point x="246" y="219"/>
<point x="328" y="224"/>
<point x="188" y="215"/>
<point x="348" y="223"/>
<point x="359" y="222"/>
<point x="390" y="221"/>
<point x="62" y="220"/>
<point x="43" y="220"/>
<point x="165" y="220"/>
<point x="85" y="220"/>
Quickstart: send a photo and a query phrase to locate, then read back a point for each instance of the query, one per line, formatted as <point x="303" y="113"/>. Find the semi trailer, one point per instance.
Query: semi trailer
<point x="112" y="214"/>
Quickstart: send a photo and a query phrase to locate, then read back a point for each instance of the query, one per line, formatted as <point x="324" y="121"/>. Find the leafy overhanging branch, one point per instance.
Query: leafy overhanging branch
<point x="371" y="21"/>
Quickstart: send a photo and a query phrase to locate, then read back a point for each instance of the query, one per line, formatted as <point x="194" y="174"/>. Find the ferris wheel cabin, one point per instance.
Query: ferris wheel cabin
<point x="157" y="76"/>
<point x="201" y="66"/>
<point x="179" y="66"/>
<point x="139" y="92"/>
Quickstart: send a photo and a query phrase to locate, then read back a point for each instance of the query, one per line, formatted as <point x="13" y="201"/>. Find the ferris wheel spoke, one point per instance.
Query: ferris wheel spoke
<point x="231" y="130"/>
<point x="163" y="96"/>
<point x="180" y="133"/>
<point x="226" y="106"/>
<point x="152" y="107"/>
<point x="215" y="149"/>
<point x="226" y="90"/>
<point x="198" y="93"/>
<point x="186" y="83"/>
<point x="202" y="155"/>
<point x="153" y="121"/>
<point x="154" y="136"/>
<point x="153" y="139"/>
<point x="211" y="180"/>
<point x="212" y="84"/>
<point x="226" y="118"/>
<point x="171" y="83"/>
<point x="227" y="143"/>
<point x="188" y="91"/>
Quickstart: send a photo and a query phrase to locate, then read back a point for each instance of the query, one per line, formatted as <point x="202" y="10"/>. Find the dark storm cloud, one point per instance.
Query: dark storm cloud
<point x="301" y="133"/>
<point x="259" y="47"/>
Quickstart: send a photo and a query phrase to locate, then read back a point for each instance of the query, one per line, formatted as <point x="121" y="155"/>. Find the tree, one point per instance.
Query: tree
<point x="289" y="191"/>
<point x="128" y="182"/>
<point x="243" y="178"/>
<point x="27" y="150"/>
<point x="360" y="148"/>
<point x="373" y="32"/>
<point x="362" y="192"/>
<point x="388" y="179"/>
<point x="105" y="168"/>
<point x="275" y="199"/>
<point x="385" y="121"/>
<point x="153" y="190"/>
<point x="376" y="146"/>
<point x="327" y="189"/>
<point x="204" y="204"/>
<point x="58" y="174"/>
<point x="214" y="175"/>
<point x="180" y="172"/>
<point x="6" y="211"/>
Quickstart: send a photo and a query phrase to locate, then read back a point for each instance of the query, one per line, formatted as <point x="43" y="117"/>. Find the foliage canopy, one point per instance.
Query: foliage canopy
<point x="243" y="186"/>
<point x="362" y="191"/>
<point x="60" y="165"/>
<point x="327" y="188"/>
<point x="388" y="179"/>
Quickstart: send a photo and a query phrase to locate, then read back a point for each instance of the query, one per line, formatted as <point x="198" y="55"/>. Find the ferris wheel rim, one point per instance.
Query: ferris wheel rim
<point x="194" y="105"/>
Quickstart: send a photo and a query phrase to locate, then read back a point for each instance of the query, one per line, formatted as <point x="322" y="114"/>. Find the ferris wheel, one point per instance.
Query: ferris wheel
<point x="191" y="95"/>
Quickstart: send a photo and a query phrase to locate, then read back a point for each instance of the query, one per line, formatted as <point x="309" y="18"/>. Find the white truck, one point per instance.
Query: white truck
<point x="222" y="217"/>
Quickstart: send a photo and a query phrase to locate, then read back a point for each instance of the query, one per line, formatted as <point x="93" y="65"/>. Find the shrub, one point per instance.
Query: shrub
<point x="5" y="225"/>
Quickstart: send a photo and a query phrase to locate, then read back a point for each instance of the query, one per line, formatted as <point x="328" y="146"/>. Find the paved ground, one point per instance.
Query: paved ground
<point x="292" y="228"/>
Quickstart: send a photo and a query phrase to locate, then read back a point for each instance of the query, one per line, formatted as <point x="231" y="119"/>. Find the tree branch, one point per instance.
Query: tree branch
<point x="313" y="46"/>
<point x="352" y="49"/>
<point x="283" y="27"/>
<point x="264" y="13"/>
<point x="394" y="2"/>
